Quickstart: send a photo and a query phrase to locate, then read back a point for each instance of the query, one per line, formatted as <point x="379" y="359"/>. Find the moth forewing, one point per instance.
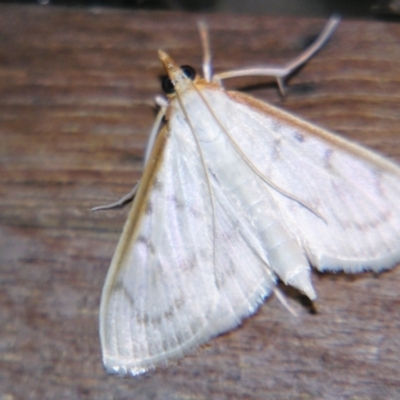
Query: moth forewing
<point x="175" y="280"/>
<point x="114" y="284"/>
<point x="356" y="190"/>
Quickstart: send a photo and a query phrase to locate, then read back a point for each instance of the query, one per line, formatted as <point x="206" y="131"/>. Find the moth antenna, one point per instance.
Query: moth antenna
<point x="205" y="44"/>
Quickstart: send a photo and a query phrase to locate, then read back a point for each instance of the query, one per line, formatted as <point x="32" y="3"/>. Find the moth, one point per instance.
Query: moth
<point x="235" y="195"/>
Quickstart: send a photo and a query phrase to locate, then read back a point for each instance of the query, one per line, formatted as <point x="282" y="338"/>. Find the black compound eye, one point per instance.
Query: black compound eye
<point x="188" y="71"/>
<point x="167" y="85"/>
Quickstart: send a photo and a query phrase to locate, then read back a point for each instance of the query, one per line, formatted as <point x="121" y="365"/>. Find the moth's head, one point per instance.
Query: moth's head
<point x="179" y="78"/>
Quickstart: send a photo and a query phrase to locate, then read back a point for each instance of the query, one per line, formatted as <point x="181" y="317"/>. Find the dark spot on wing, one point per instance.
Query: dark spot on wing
<point x="180" y="205"/>
<point x="119" y="286"/>
<point x="224" y="274"/>
<point x="142" y="319"/>
<point x="212" y="174"/>
<point x="169" y="313"/>
<point x="188" y="265"/>
<point x="276" y="149"/>
<point x="299" y="137"/>
<point x="328" y="158"/>
<point x="177" y="203"/>
<point x="146" y="242"/>
<point x="179" y="302"/>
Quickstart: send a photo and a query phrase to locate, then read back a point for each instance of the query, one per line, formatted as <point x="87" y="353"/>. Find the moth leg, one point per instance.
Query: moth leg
<point x="163" y="104"/>
<point x="119" y="203"/>
<point x="161" y="101"/>
<point x="152" y="137"/>
<point x="281" y="297"/>
<point x="281" y="73"/>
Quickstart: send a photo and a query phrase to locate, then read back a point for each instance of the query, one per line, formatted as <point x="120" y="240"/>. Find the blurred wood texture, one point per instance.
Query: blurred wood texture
<point x="76" y="105"/>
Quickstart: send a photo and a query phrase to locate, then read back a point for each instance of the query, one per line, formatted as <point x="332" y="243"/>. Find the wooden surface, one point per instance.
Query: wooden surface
<point x="76" y="98"/>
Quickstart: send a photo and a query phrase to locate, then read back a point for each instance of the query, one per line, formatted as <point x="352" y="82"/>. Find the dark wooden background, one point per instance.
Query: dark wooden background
<point x="76" y="105"/>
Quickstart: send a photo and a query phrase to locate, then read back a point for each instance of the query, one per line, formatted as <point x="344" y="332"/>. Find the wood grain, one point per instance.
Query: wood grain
<point x="76" y="105"/>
